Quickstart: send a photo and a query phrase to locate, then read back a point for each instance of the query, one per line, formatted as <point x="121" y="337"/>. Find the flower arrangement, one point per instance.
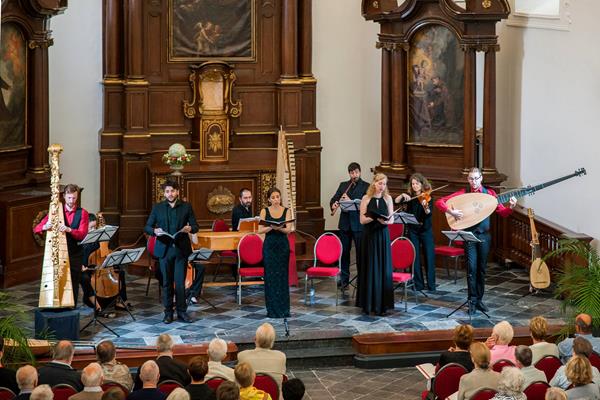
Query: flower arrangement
<point x="177" y="160"/>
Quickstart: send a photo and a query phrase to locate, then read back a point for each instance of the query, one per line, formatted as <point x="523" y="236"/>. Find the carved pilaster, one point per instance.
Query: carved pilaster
<point x="113" y="49"/>
<point x="386" y="130"/>
<point x="470" y="76"/>
<point x="289" y="40"/>
<point x="489" y="113"/>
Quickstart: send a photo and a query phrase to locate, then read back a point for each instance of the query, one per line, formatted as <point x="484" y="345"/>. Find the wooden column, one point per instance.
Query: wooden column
<point x="398" y="107"/>
<point x="38" y="130"/>
<point x="305" y="39"/>
<point x="470" y="111"/>
<point x="113" y="49"/>
<point x="289" y="39"/>
<point x="489" y="110"/>
<point x="386" y="131"/>
<point x="134" y="39"/>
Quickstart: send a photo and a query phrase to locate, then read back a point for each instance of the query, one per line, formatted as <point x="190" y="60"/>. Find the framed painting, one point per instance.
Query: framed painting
<point x="436" y="87"/>
<point x="13" y="87"/>
<point x="201" y="30"/>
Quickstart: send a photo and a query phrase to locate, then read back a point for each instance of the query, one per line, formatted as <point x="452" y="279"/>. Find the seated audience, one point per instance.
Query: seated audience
<point x="581" y="347"/>
<point x="42" y="392"/>
<point x="463" y="337"/>
<point x="531" y="374"/>
<point x="499" y="343"/>
<point x="59" y="370"/>
<point x="538" y="329"/>
<point x="114" y="371"/>
<point x="170" y="368"/>
<point x="91" y="377"/>
<point x="510" y="385"/>
<point x="245" y="376"/>
<point x="217" y="351"/>
<point x="293" y="389"/>
<point x="179" y="394"/>
<point x="554" y="393"/>
<point x="482" y="375"/>
<point x="198" y="390"/>
<point x="583" y="328"/>
<point x="149" y="375"/>
<point x="7" y="376"/>
<point x="263" y="359"/>
<point x="579" y="373"/>
<point x="113" y="394"/>
<point x="27" y="378"/>
<point x="228" y="391"/>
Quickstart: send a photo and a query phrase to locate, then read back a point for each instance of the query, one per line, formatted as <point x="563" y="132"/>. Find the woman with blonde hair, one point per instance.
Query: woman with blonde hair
<point x="538" y="330"/>
<point x="375" y="287"/>
<point x="579" y="373"/>
<point x="482" y="375"/>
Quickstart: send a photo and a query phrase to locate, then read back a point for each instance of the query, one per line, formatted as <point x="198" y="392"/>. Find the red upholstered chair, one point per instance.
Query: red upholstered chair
<point x="483" y="394"/>
<point x="63" y="391"/>
<point x="266" y="383"/>
<point x="396" y="230"/>
<point x="220" y="225"/>
<point x="453" y="251"/>
<point x="110" y="384"/>
<point x="536" y="390"/>
<point x="327" y="262"/>
<point x="446" y="380"/>
<point x="168" y="386"/>
<point x="6" y="394"/>
<point x="153" y="263"/>
<point x="499" y="365"/>
<point x="549" y="365"/>
<point x="403" y="259"/>
<point x="214" y="383"/>
<point x="250" y="258"/>
<point x="595" y="359"/>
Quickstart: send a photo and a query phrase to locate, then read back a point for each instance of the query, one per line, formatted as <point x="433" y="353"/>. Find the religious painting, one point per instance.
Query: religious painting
<point x="201" y="30"/>
<point x="436" y="87"/>
<point x="13" y="87"/>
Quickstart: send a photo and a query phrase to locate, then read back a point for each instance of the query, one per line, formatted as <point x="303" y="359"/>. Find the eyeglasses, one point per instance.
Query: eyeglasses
<point x="474" y="178"/>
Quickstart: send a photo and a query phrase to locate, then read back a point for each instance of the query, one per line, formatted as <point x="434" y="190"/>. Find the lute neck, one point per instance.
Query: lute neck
<point x="518" y="193"/>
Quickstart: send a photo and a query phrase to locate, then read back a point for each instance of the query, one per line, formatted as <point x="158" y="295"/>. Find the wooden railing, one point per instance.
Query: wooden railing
<point x="512" y="238"/>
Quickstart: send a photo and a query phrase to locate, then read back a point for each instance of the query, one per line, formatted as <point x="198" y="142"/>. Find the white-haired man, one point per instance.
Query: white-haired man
<point x="217" y="351"/>
<point x="27" y="379"/>
<point x="149" y="375"/>
<point x="42" y="392"/>
<point x="263" y="358"/>
<point x="92" y="377"/>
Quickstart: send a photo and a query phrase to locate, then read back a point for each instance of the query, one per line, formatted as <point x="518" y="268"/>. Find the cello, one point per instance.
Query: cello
<point x="105" y="281"/>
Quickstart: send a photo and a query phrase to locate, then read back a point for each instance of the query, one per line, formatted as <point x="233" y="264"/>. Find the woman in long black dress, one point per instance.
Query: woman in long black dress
<point x="375" y="286"/>
<point x="276" y="255"/>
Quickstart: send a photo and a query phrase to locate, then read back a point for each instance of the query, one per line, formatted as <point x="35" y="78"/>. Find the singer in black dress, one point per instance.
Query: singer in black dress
<point x="276" y="255"/>
<point x="375" y="287"/>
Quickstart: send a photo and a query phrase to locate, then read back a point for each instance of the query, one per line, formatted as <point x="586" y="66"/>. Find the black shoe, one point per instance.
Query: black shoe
<point x="183" y="317"/>
<point x="482" y="307"/>
<point x="168" y="318"/>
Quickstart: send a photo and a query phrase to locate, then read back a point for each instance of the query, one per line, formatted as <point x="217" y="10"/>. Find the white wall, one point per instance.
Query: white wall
<point x="75" y="63"/>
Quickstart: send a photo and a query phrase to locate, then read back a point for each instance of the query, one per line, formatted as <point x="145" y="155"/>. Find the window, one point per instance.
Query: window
<point x="545" y="14"/>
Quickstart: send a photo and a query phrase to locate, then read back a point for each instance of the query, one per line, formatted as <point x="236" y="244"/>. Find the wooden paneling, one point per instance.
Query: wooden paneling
<point x="260" y="108"/>
<point x="165" y="108"/>
<point x="136" y="109"/>
<point x="110" y="183"/>
<point x="309" y="108"/>
<point x="136" y="186"/>
<point x="289" y="108"/>
<point x="113" y="104"/>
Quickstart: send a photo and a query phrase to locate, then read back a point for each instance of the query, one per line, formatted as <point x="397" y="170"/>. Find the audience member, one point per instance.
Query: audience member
<point x="91" y="377"/>
<point x="293" y="389"/>
<point x="538" y="329"/>
<point x="7" y="376"/>
<point x="42" y="392"/>
<point x="198" y="390"/>
<point x="583" y="328"/>
<point x="554" y="393"/>
<point x="228" y="391"/>
<point x="217" y="351"/>
<point x="263" y="359"/>
<point x="510" y="385"/>
<point x="579" y="373"/>
<point x="245" y="376"/>
<point x="114" y="371"/>
<point x="179" y="394"/>
<point x="463" y="337"/>
<point x="149" y="375"/>
<point x="113" y="393"/>
<point x="581" y="347"/>
<point x="170" y="368"/>
<point x="499" y="343"/>
<point x="59" y="370"/>
<point x="531" y="374"/>
<point x="482" y="375"/>
<point x="27" y="378"/>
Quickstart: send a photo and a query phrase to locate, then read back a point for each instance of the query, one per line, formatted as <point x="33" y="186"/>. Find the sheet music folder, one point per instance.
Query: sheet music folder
<point x="103" y="234"/>
<point x="465" y="236"/>
<point x="125" y="256"/>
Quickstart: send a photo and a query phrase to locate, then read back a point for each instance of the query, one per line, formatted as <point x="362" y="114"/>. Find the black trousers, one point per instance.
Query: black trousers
<point x="173" y="269"/>
<point x="75" y="269"/>
<point x="476" y="255"/>
<point x="346" y="237"/>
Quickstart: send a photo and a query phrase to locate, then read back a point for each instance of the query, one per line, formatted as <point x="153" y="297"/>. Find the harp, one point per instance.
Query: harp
<point x="286" y="173"/>
<point x="55" y="287"/>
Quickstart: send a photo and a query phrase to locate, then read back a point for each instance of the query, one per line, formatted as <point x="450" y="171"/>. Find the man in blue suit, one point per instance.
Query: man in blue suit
<point x="349" y="225"/>
<point x="175" y="218"/>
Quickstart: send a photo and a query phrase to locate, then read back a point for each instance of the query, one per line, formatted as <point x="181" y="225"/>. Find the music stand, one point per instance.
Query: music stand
<point x="202" y="254"/>
<point x="405" y="218"/>
<point x="248" y="224"/>
<point x="349" y="205"/>
<point x="465" y="236"/>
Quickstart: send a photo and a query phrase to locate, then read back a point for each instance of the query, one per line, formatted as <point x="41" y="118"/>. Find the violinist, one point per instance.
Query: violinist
<point x="418" y="202"/>
<point x="349" y="225"/>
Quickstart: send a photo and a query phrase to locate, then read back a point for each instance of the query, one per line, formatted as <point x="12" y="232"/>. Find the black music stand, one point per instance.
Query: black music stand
<point x="405" y="218"/>
<point x="465" y="236"/>
<point x="196" y="257"/>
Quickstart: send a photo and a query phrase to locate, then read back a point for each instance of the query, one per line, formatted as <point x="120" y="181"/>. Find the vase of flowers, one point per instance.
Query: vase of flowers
<point x="176" y="158"/>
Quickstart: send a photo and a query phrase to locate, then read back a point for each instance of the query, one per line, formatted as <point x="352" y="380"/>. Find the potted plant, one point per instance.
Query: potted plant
<point x="16" y="347"/>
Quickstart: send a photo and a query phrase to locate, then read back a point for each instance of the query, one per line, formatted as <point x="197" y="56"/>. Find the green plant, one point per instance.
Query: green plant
<point x="16" y="350"/>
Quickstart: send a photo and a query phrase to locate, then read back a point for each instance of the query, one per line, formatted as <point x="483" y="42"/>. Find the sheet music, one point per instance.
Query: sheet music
<point x="427" y="370"/>
<point x="465" y="236"/>
<point x="125" y="256"/>
<point x="251" y="219"/>
<point x="349" y="205"/>
<point x="103" y="234"/>
<point x="202" y="254"/>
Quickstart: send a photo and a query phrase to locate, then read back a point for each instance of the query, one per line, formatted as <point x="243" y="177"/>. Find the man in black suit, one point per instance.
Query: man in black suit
<point x="242" y="210"/>
<point x="175" y="217"/>
<point x="349" y="225"/>
<point x="170" y="369"/>
<point x="59" y="370"/>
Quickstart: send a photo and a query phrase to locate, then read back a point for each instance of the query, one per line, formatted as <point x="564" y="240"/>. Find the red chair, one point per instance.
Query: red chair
<point x="446" y="380"/>
<point x="483" y="394"/>
<point x="396" y="231"/>
<point x="327" y="262"/>
<point x="63" y="391"/>
<point x="267" y="384"/>
<point x="214" y="383"/>
<point x="220" y="225"/>
<point x="549" y="365"/>
<point x="453" y="251"/>
<point x="250" y="258"/>
<point x="536" y="390"/>
<point x="111" y="384"/>
<point x="153" y="266"/>
<point x="6" y="394"/>
<point x="595" y="359"/>
<point x="499" y="365"/>
<point x="403" y="258"/>
<point x="168" y="386"/>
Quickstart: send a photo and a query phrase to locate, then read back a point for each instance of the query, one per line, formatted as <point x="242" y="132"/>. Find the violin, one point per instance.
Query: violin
<point x="424" y="198"/>
<point x="105" y="281"/>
